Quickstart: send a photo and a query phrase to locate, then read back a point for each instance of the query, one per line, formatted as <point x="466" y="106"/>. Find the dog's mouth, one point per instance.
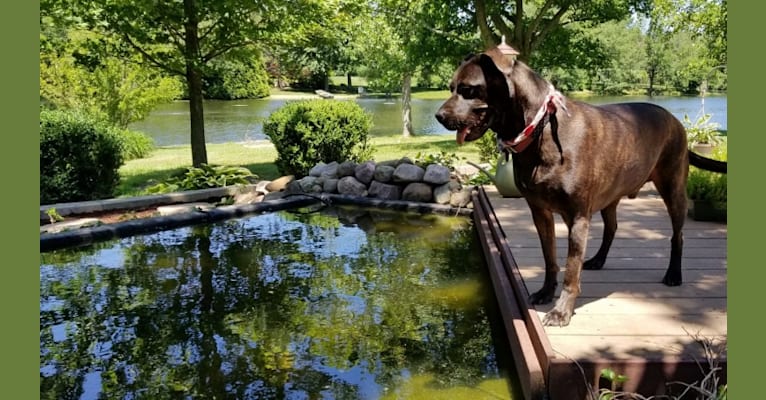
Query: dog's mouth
<point x="475" y="129"/>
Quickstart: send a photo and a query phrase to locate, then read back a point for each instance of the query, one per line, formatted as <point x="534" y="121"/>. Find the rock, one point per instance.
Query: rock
<point x="436" y="174"/>
<point x="405" y="160"/>
<point x="383" y="173"/>
<point x="330" y="171"/>
<point x="390" y="163"/>
<point x="351" y="186"/>
<point x="418" y="192"/>
<point x="307" y="183"/>
<point x="248" y="198"/>
<point x="442" y="194"/>
<point x="280" y="184"/>
<point x="317" y="169"/>
<point x="184" y="208"/>
<point x="385" y="191"/>
<point x="461" y="198"/>
<point x="69" y="225"/>
<point x="346" y="168"/>
<point x="294" y="187"/>
<point x="274" y="195"/>
<point x="330" y="185"/>
<point x="262" y="187"/>
<point x="364" y="172"/>
<point x="406" y="173"/>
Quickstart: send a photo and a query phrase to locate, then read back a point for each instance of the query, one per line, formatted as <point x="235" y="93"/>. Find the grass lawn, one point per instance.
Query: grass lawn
<point x="259" y="158"/>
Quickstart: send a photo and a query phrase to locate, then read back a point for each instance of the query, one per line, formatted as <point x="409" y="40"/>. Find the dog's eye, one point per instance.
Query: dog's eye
<point x="468" y="92"/>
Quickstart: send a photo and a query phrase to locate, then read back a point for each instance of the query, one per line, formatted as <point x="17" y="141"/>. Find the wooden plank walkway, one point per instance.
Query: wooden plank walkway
<point x="625" y="319"/>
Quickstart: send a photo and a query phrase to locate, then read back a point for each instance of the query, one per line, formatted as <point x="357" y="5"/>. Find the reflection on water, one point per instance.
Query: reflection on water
<point x="242" y="120"/>
<point x="343" y="304"/>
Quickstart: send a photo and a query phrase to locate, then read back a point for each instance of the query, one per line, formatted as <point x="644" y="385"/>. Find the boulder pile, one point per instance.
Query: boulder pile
<point x="388" y="180"/>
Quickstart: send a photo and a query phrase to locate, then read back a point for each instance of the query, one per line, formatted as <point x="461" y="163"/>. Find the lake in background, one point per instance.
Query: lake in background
<point x="242" y="120"/>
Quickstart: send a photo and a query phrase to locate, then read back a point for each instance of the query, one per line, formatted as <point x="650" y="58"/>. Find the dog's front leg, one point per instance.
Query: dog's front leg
<point x="578" y="239"/>
<point x="546" y="231"/>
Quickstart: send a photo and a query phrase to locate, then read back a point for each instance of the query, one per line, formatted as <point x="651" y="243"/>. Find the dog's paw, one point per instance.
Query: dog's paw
<point x="542" y="296"/>
<point x="672" y="279"/>
<point x="557" y="318"/>
<point x="593" y="264"/>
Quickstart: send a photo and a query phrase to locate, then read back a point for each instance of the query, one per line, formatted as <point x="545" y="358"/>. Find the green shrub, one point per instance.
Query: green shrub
<point x="487" y="146"/>
<point x="237" y="79"/>
<point x="204" y="177"/>
<point x="134" y="145"/>
<point x="701" y="131"/>
<point x="79" y="158"/>
<point x="307" y="132"/>
<point x="706" y="185"/>
<point x="442" y="158"/>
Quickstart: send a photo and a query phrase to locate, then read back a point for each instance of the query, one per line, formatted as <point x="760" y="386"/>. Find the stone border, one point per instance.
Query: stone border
<point x="138" y="202"/>
<point x="396" y="180"/>
<point x="88" y="235"/>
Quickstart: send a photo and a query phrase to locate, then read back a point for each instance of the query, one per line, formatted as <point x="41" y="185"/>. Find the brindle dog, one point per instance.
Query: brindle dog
<point x="573" y="159"/>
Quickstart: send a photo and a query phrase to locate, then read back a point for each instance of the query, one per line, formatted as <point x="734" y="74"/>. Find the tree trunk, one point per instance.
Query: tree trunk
<point x="485" y="32"/>
<point x="348" y="80"/>
<point x="650" y="89"/>
<point x="406" y="106"/>
<point x="194" y="82"/>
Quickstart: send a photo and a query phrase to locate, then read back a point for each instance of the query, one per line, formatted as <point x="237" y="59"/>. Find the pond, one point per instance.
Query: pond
<point x="347" y="303"/>
<point x="242" y="120"/>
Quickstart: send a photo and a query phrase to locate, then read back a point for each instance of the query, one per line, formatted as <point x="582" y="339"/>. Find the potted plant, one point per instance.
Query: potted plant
<point x="707" y="192"/>
<point x="701" y="135"/>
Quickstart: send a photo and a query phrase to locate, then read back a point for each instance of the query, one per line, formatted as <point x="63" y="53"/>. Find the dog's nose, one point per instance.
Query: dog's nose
<point x="440" y="116"/>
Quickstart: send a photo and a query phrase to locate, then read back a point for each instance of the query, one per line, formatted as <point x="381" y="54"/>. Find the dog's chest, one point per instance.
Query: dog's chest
<point x="548" y="186"/>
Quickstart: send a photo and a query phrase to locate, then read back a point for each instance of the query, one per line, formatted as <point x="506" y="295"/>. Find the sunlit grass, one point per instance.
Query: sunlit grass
<point x="259" y="157"/>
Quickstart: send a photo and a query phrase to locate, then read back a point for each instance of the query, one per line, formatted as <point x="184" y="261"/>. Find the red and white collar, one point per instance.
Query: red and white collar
<point x="553" y="101"/>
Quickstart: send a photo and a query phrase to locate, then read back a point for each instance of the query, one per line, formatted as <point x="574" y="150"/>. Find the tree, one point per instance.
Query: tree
<point x="182" y="38"/>
<point x="699" y="27"/>
<point x="312" y="50"/>
<point x="528" y="24"/>
<point x="83" y="70"/>
<point x="421" y="35"/>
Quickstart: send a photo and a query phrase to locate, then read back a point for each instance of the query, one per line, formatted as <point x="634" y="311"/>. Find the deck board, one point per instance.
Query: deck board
<point x="624" y="315"/>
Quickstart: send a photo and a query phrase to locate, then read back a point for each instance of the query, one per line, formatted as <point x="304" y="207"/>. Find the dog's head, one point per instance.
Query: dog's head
<point x="481" y="91"/>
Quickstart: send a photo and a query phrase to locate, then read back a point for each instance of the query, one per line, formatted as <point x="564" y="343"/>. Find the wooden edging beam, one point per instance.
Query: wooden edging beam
<point x="525" y="357"/>
<point x="542" y="345"/>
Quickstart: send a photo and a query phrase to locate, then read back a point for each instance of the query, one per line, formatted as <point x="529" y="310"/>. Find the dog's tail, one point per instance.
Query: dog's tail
<point x="707" y="163"/>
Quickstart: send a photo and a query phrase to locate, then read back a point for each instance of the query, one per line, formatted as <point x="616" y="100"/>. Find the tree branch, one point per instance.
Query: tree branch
<point x="540" y="15"/>
<point x="153" y="60"/>
<point x="220" y="50"/>
<point x="210" y="29"/>
<point x="518" y="25"/>
<point x="502" y="26"/>
<point x="550" y="25"/>
<point x="481" y="20"/>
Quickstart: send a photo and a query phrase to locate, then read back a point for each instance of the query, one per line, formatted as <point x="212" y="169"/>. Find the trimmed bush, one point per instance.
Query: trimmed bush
<point x="235" y="79"/>
<point x="307" y="132"/>
<point x="134" y="144"/>
<point x="79" y="158"/>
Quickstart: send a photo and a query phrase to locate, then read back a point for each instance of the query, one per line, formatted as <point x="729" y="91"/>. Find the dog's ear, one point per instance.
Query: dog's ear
<point x="502" y="62"/>
<point x="497" y="68"/>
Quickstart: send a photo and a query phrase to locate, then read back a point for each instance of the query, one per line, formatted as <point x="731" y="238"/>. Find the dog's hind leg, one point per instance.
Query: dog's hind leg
<point x="546" y="231"/>
<point x="609" y="215"/>
<point x="673" y="193"/>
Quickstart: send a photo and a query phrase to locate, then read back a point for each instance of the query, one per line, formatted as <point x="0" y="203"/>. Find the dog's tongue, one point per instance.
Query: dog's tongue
<point x="461" y="134"/>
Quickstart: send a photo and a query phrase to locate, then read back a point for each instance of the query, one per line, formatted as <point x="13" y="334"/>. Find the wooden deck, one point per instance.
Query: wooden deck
<point x="625" y="319"/>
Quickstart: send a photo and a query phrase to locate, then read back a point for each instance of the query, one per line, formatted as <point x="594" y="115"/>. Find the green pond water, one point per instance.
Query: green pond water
<point x="345" y="303"/>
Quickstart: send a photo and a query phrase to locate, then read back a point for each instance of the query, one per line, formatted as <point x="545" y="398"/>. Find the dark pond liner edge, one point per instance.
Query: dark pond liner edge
<point x="86" y="236"/>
